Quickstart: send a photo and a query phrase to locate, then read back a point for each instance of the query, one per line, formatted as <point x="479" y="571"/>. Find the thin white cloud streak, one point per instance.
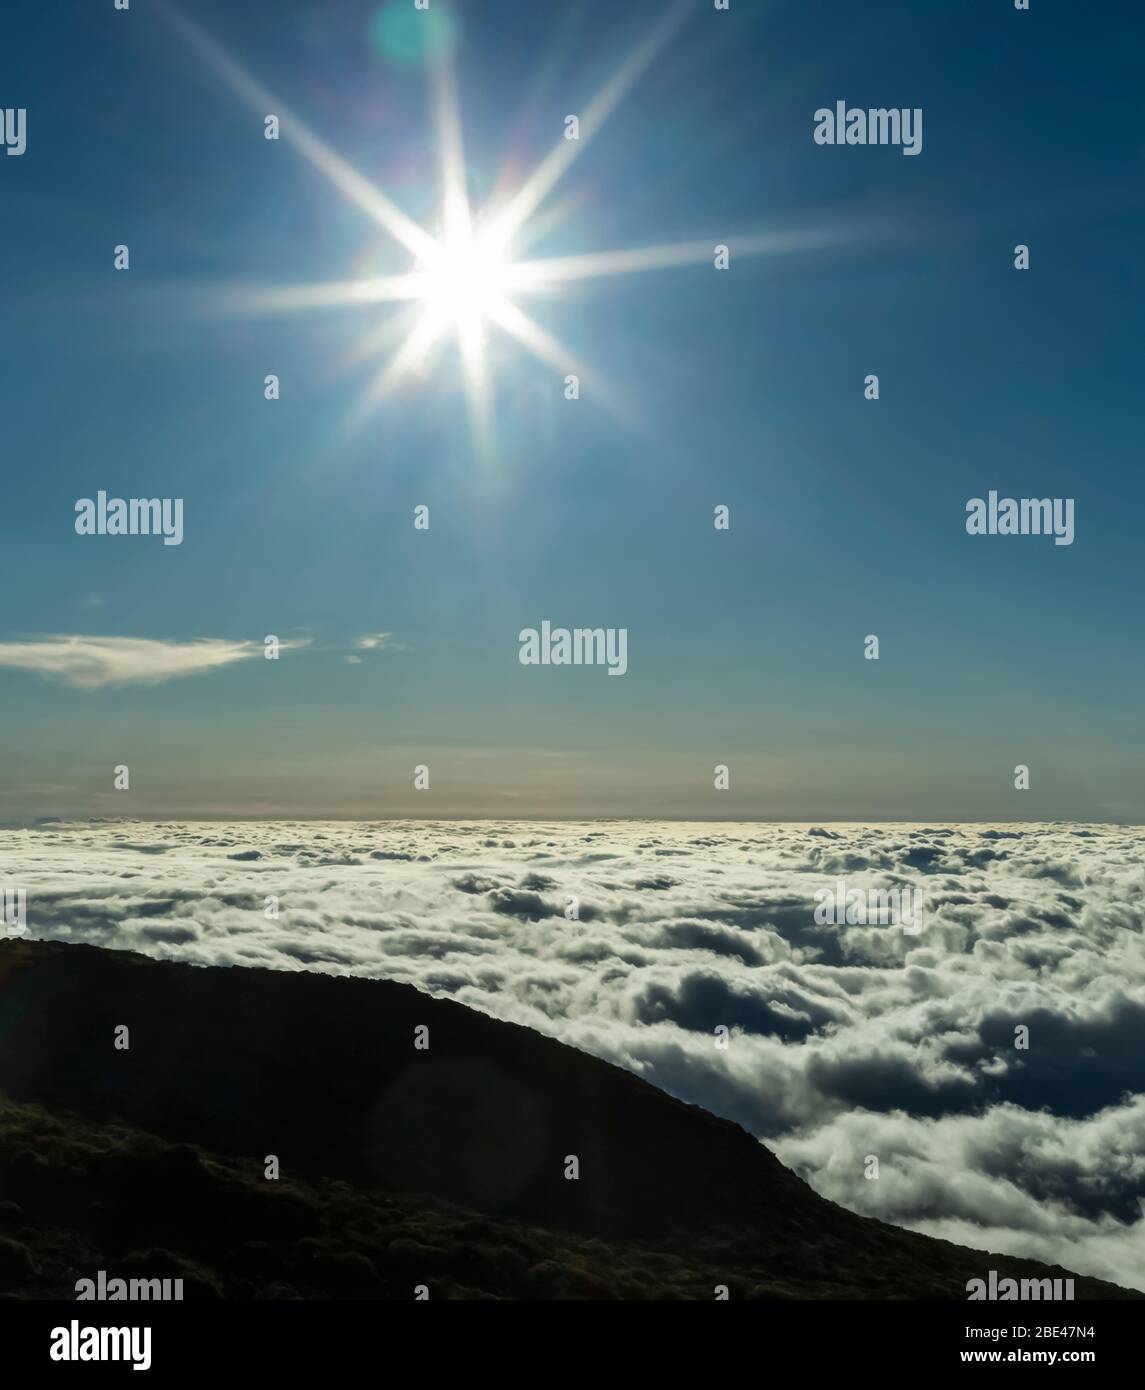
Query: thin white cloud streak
<point x="92" y="663"/>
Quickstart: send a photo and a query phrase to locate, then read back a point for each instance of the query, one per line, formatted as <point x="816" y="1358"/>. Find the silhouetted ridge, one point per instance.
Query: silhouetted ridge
<point x="323" y="1072"/>
<point x="227" y="1066"/>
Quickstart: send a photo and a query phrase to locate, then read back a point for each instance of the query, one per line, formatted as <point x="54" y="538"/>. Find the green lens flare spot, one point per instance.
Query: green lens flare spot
<point x="407" y="37"/>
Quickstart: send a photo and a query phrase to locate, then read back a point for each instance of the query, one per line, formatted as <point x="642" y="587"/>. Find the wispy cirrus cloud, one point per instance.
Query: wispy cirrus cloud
<point x="375" y="641"/>
<point x="91" y="663"/>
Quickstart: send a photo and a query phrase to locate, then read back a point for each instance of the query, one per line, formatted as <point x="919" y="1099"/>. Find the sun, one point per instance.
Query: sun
<point x="464" y="277"/>
<point x="469" y="277"/>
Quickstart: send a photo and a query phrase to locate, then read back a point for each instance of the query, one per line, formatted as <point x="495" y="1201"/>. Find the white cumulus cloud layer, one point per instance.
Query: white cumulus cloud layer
<point x="844" y="1042"/>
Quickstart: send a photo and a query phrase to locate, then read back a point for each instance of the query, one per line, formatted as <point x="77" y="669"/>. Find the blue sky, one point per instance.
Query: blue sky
<point x="745" y="647"/>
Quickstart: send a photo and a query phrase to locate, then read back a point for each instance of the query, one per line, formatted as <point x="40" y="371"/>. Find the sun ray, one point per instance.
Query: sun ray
<point x="553" y="353"/>
<point x="342" y="175"/>
<point x="456" y="216"/>
<point x="478" y="397"/>
<point x="390" y="332"/>
<point x="414" y="353"/>
<point x="280" y="299"/>
<point x="556" y="163"/>
<point x="525" y="275"/>
<point x="395" y="330"/>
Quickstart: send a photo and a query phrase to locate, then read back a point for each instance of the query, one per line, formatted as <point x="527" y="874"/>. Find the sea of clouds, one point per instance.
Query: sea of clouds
<point x="845" y="1041"/>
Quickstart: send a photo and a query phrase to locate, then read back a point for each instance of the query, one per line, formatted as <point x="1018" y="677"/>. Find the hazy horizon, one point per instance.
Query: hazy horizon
<point x="30" y="822"/>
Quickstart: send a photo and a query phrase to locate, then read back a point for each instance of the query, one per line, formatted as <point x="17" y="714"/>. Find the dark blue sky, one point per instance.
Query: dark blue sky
<point x="745" y="647"/>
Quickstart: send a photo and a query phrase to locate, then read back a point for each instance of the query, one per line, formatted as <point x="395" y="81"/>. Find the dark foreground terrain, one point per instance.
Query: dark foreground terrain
<point x="400" y="1167"/>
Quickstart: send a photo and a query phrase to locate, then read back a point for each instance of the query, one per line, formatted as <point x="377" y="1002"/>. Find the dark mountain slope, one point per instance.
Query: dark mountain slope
<point x="106" y="1154"/>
